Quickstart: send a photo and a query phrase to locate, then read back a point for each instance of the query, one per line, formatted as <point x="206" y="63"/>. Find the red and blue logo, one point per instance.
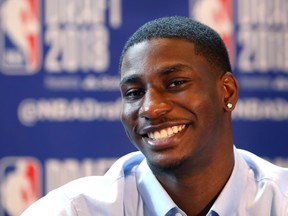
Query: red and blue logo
<point x="217" y="14"/>
<point x="20" y="37"/>
<point x="20" y="184"/>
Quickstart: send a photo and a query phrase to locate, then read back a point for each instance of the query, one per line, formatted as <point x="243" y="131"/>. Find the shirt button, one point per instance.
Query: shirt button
<point x="178" y="214"/>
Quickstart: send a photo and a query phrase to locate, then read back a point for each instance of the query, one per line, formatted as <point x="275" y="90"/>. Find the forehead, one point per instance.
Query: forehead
<point x="155" y="54"/>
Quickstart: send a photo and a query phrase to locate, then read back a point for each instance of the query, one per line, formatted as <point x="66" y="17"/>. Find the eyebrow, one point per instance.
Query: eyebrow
<point x="134" y="78"/>
<point x="172" y="69"/>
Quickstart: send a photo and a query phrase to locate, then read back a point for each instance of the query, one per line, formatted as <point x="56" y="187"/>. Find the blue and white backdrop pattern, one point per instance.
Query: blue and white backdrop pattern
<point x="59" y="97"/>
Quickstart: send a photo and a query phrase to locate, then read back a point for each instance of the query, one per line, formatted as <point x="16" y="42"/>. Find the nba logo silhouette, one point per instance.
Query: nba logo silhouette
<point x="20" y="181"/>
<point x="20" y="37"/>
<point x="218" y="15"/>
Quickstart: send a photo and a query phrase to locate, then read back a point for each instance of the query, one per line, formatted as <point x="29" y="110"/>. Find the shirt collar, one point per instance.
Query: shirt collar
<point x="230" y="197"/>
<point x="156" y="200"/>
<point x="151" y="190"/>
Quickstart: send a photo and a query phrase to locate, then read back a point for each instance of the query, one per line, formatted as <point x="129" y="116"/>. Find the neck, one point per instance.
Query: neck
<point x="194" y="188"/>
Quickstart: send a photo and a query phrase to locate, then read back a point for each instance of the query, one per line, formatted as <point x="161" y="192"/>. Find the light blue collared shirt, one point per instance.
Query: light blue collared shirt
<point x="256" y="187"/>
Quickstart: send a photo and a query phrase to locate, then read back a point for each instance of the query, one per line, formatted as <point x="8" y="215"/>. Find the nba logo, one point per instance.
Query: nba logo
<point x="20" y="181"/>
<point x="20" y="37"/>
<point x="218" y="15"/>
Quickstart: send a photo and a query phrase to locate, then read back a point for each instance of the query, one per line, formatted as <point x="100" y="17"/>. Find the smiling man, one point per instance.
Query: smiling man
<point x="178" y="94"/>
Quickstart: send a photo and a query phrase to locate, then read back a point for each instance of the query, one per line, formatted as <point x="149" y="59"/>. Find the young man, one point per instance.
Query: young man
<point x="178" y="93"/>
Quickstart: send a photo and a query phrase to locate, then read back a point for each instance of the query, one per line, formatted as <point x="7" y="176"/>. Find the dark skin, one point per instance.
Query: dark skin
<point x="175" y="111"/>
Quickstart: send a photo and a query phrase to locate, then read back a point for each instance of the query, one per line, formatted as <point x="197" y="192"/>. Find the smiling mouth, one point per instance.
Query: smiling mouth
<point x="167" y="132"/>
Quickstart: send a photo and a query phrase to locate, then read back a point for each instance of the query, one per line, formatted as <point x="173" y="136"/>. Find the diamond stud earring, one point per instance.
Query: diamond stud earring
<point x="229" y="105"/>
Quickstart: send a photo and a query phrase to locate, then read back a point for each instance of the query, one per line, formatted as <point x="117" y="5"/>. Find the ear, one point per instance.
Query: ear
<point x="230" y="91"/>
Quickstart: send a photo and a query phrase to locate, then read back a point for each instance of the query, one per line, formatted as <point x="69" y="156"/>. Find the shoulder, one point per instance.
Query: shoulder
<point x="121" y="173"/>
<point x="266" y="172"/>
<point x="72" y="197"/>
<point x="263" y="167"/>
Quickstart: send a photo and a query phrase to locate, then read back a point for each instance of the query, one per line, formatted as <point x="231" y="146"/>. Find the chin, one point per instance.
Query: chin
<point x="165" y="164"/>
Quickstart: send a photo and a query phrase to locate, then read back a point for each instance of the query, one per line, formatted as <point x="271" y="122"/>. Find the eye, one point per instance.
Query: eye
<point x="134" y="94"/>
<point x="176" y="83"/>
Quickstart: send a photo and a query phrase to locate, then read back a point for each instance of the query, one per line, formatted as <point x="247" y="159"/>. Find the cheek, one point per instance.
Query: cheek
<point x="209" y="112"/>
<point x="204" y="106"/>
<point x="128" y="115"/>
<point x="129" y="122"/>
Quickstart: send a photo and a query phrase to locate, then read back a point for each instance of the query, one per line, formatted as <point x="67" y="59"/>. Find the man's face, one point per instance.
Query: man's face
<point x="172" y="102"/>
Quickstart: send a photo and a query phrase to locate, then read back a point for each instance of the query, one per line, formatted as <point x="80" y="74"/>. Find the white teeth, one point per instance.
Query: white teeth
<point x="175" y="129"/>
<point x="157" y="135"/>
<point x="166" y="132"/>
<point x="170" y="131"/>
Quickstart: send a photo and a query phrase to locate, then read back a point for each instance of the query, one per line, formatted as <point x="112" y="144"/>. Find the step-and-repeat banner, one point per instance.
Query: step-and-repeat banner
<point x="59" y="97"/>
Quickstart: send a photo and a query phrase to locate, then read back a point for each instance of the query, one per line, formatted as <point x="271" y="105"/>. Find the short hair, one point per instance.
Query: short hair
<point x="207" y="42"/>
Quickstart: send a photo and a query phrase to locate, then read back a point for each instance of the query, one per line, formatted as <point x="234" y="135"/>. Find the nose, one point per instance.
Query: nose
<point x="154" y="105"/>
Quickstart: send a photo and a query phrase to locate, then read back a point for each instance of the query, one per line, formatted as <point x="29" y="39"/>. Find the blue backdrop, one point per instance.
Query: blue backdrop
<point x="59" y="97"/>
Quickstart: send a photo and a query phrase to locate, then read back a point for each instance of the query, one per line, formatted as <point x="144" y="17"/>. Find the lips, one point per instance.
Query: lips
<point x="167" y="132"/>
